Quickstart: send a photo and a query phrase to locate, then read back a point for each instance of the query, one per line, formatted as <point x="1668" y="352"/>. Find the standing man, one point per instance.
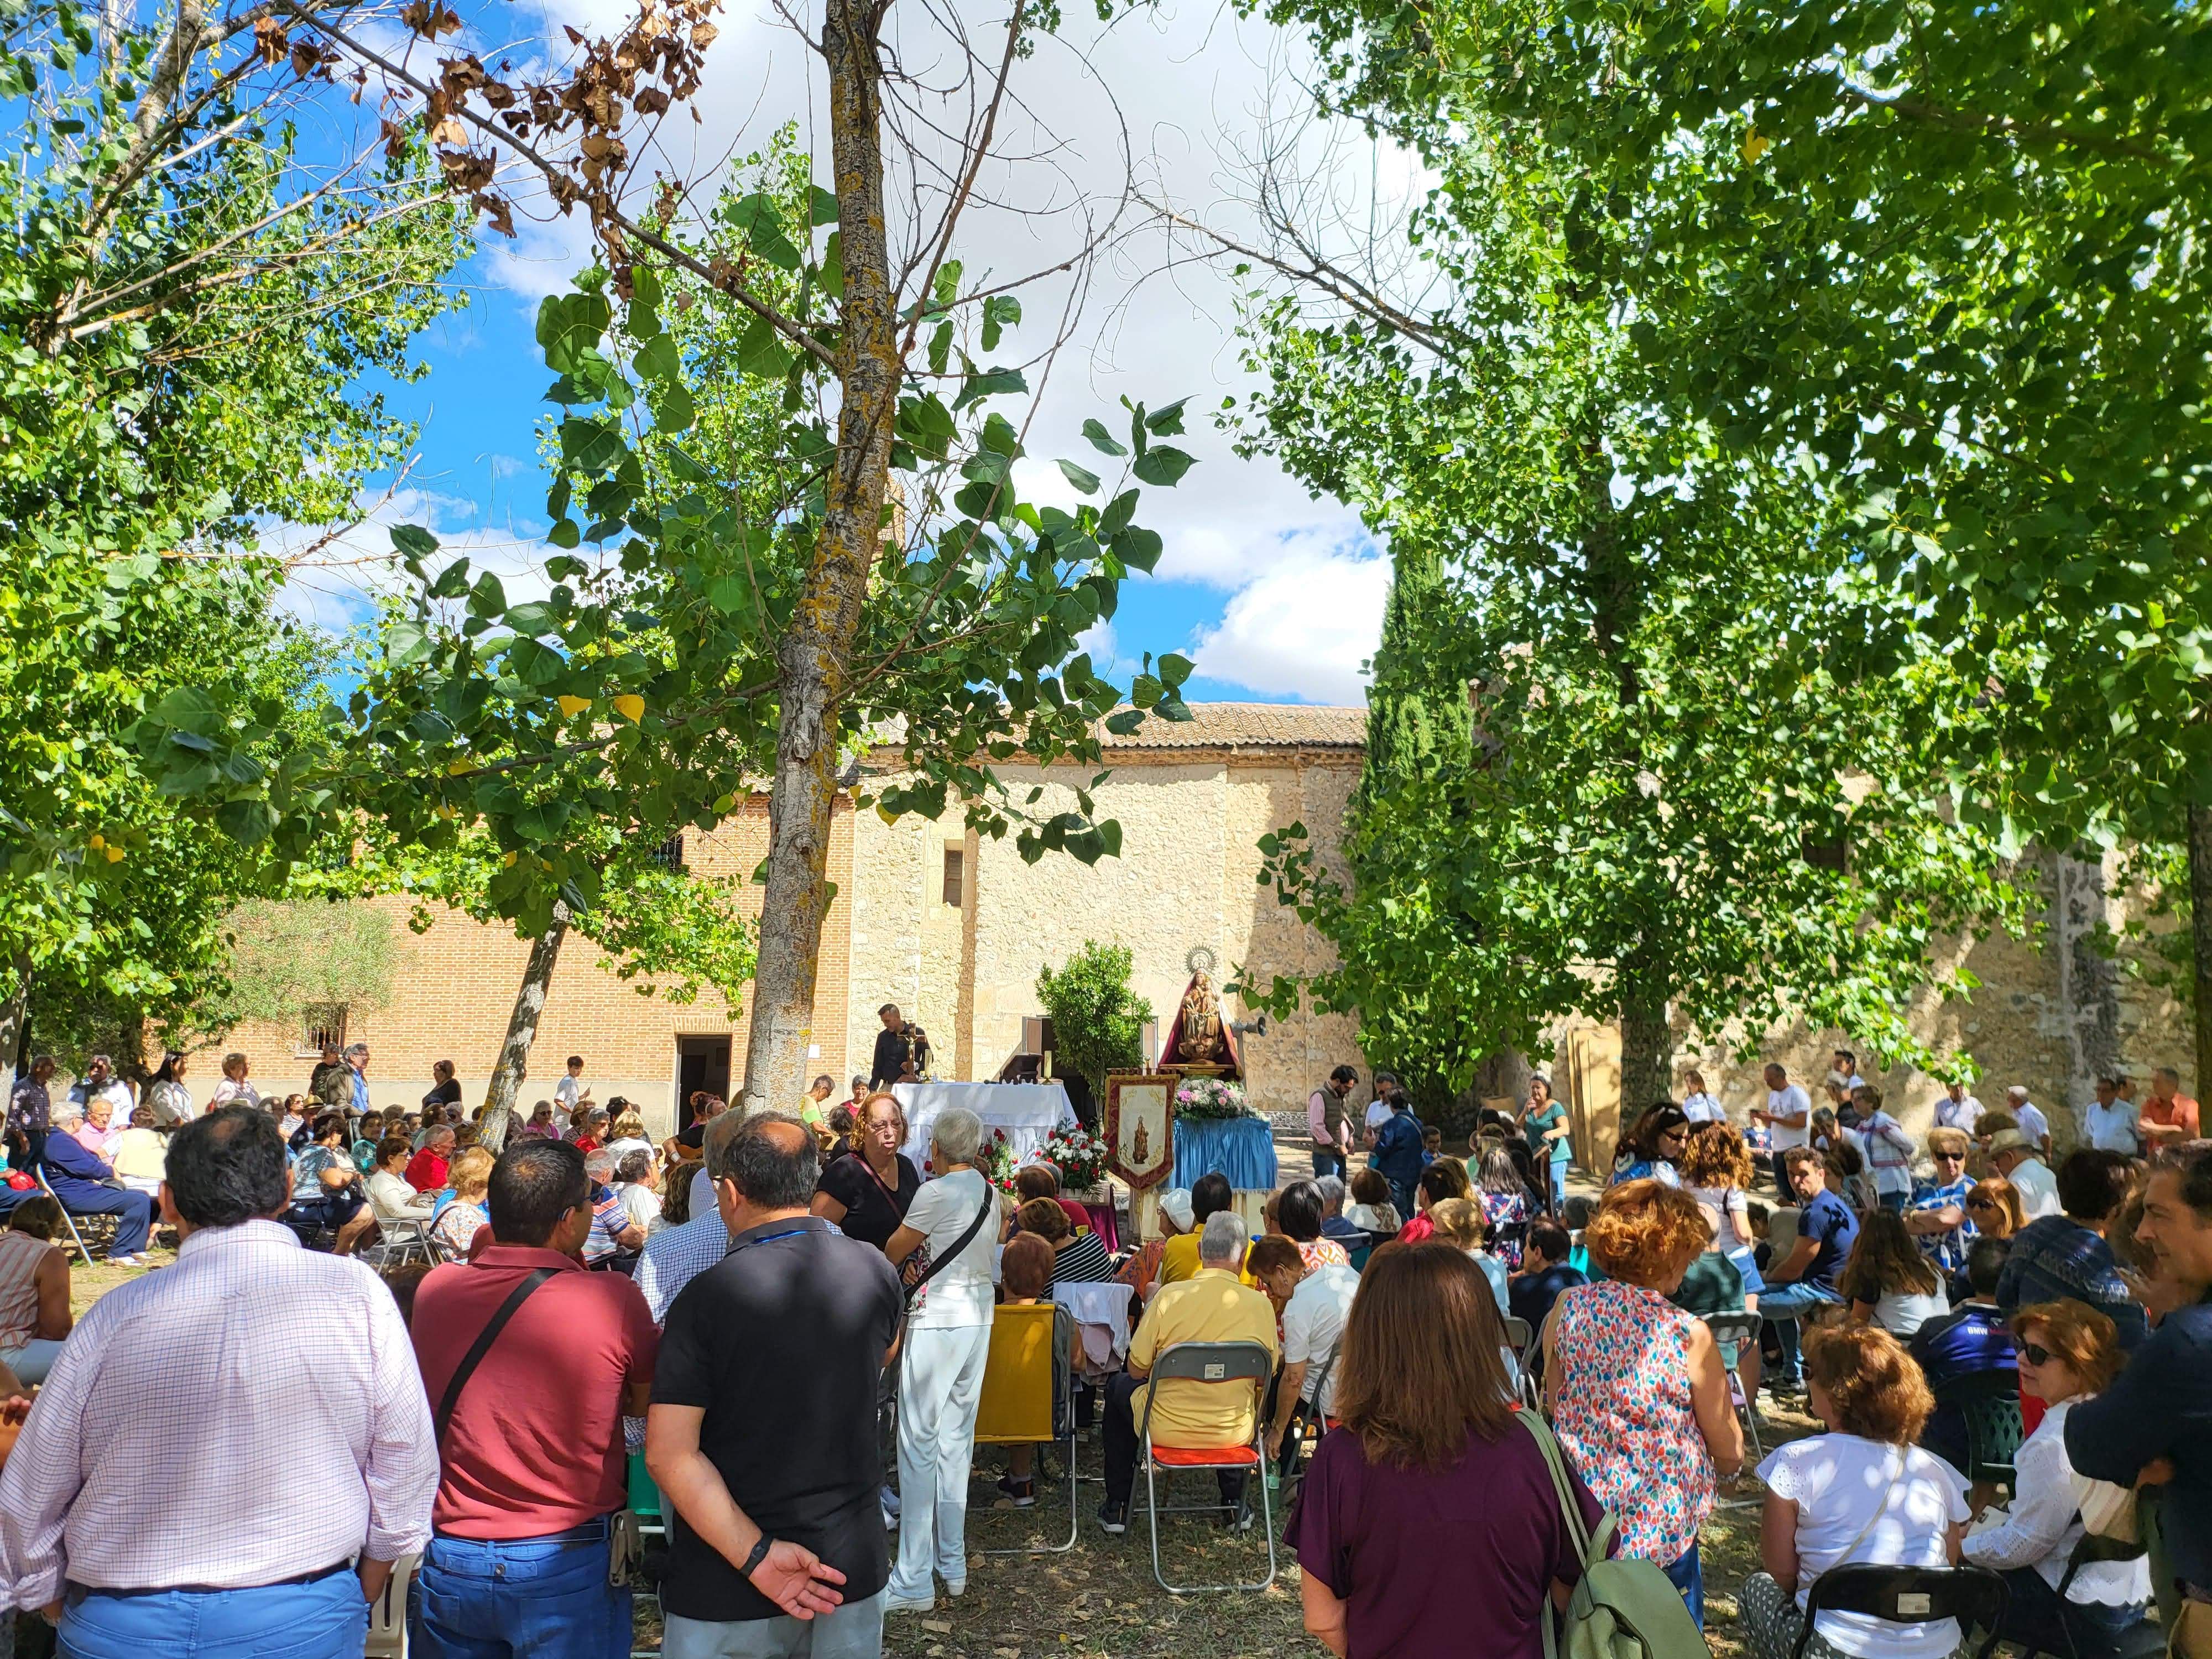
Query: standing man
<point x="776" y="1547"/>
<point x="1957" y="1110"/>
<point x="1789" y="1108"/>
<point x="2108" y="1122"/>
<point x="332" y="1081"/>
<point x="357" y="1060"/>
<point x="159" y="1477"/>
<point x="2153" y="1423"/>
<point x="31" y="1108"/>
<point x="892" y="1050"/>
<point x="1398" y="1154"/>
<point x="1330" y="1124"/>
<point x="572" y="1090"/>
<point x="2030" y="1118"/>
<point x="2169" y="1116"/>
<point x="535" y="1466"/>
<point x="2012" y="1156"/>
<point x="101" y="1083"/>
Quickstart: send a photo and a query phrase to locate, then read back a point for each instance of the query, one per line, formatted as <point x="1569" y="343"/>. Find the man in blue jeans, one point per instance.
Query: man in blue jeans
<point x="1804" y="1281"/>
<point x="1397" y="1154"/>
<point x="535" y="1464"/>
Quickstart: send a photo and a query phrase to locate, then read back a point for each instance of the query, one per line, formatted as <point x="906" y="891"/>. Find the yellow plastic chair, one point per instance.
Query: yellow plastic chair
<point x="1028" y="1394"/>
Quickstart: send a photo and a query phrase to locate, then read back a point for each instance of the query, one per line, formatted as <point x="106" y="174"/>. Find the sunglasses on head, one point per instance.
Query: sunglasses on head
<point x="2035" y="1353"/>
<point x="1981" y="1204"/>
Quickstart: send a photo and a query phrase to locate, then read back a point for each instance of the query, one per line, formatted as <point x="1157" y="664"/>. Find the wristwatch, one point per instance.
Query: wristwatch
<point x="759" y="1554"/>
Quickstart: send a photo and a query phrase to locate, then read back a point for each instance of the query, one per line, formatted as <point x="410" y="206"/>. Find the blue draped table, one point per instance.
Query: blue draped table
<point x="1242" y="1148"/>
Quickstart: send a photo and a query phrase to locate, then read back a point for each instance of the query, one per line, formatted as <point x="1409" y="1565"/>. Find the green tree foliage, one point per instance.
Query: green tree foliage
<point x="1649" y="753"/>
<point x="186" y="311"/>
<point x="1955" y="254"/>
<point x="1097" y="1021"/>
<point x="286" y="956"/>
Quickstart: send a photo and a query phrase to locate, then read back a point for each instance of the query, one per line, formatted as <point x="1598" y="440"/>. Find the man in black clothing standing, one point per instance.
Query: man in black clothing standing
<point x="893" y="1047"/>
<point x="776" y="1546"/>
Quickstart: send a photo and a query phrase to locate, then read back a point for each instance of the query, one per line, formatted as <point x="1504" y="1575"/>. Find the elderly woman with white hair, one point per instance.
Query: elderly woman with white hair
<point x="955" y="1219"/>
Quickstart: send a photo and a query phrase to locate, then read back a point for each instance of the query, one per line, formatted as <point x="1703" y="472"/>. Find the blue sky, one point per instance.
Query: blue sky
<point x="1274" y="596"/>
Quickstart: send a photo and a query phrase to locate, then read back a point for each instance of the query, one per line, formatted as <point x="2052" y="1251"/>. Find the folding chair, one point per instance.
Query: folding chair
<point x="1522" y="1340"/>
<point x="1990" y="1402"/>
<point x="387" y="1614"/>
<point x="402" y="1240"/>
<point x="1975" y="1596"/>
<point x="651" y="1529"/>
<point x="1220" y="1365"/>
<point x="1028" y="1396"/>
<point x="2143" y="1639"/>
<point x="1732" y="1331"/>
<point x="68" y="1217"/>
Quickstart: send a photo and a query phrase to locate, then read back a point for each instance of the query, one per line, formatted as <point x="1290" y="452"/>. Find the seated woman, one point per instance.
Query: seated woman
<point x="1656" y="1146"/>
<point x="1888" y="1280"/>
<point x="464" y="1213"/>
<point x="1024" y="1277"/>
<point x="326" y="1195"/>
<point x="1456" y="1222"/>
<point x="1861" y="1495"/>
<point x="2069" y="1351"/>
<point x="139" y="1154"/>
<point x="1635" y="1387"/>
<point x="34" y="1289"/>
<point x="389" y="1194"/>
<point x="1370" y="1209"/>
<point x="1299" y="1213"/>
<point x="1428" y="1524"/>
<point x="1445" y="1177"/>
<point x="1077" y="1258"/>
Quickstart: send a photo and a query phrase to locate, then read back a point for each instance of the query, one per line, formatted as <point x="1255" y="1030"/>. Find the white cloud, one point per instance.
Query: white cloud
<point x="1305" y="626"/>
<point x="337" y="578"/>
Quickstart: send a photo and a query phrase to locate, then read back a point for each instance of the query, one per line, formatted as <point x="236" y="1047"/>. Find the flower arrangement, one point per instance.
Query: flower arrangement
<point x="1078" y="1155"/>
<point x="1210" y="1097"/>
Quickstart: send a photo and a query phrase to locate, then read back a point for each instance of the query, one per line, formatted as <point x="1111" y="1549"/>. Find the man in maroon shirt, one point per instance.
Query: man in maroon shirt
<point x="426" y="1171"/>
<point x="533" y="1441"/>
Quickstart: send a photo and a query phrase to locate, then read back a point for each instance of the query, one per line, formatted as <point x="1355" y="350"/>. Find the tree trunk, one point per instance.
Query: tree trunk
<point x="2200" y="934"/>
<point x="507" y="1077"/>
<point x="15" y="1020"/>
<point x="814" y="657"/>
<point x="1647" y="1041"/>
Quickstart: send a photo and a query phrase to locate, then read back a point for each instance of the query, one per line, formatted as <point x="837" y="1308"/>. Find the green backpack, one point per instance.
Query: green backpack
<point x="1624" y="1608"/>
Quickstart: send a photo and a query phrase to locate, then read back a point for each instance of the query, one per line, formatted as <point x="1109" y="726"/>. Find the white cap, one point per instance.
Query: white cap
<point x="1175" y="1205"/>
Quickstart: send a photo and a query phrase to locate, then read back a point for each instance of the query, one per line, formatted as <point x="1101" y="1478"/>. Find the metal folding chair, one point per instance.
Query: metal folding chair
<point x="1222" y="1364"/>
<point x="1522" y="1340"/>
<point x="1975" y="1596"/>
<point x="1029" y="1397"/>
<point x="69" y="1218"/>
<point x="404" y="1239"/>
<point x="387" y="1614"/>
<point x="1738" y="1330"/>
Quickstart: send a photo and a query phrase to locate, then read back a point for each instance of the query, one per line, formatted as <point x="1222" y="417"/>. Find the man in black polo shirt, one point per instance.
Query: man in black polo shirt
<point x="763" y="1430"/>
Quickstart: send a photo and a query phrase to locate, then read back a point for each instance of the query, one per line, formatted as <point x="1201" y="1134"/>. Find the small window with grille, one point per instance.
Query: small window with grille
<point x="322" y="1026"/>
<point x="956" y="868"/>
<point x="669" y="855"/>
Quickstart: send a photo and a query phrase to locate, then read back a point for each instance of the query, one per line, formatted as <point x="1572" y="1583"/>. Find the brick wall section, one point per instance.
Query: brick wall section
<point x="456" y="983"/>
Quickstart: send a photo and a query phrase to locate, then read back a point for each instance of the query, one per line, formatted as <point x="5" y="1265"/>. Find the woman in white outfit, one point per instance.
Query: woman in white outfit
<point x="948" y="1340"/>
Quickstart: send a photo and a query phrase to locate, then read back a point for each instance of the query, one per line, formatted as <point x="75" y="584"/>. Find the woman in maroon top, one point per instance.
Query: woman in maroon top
<point x="1428" y="1523"/>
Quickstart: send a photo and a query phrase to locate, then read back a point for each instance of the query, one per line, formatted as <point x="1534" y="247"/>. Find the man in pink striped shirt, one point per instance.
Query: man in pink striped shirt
<point x="229" y="1455"/>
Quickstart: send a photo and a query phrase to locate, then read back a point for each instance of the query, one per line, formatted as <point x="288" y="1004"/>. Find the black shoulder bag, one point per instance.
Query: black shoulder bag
<point x="937" y="1263"/>
<point x="462" y="1372"/>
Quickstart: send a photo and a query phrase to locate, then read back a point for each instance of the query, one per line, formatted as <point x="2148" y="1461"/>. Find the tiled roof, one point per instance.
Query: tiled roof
<point x="1250" y="726"/>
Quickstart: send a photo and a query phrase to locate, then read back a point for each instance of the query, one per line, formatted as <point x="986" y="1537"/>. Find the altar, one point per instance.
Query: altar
<point x="1027" y="1113"/>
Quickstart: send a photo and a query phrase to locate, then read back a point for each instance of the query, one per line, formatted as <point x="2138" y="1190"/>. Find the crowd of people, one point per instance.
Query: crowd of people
<point x="572" y="1295"/>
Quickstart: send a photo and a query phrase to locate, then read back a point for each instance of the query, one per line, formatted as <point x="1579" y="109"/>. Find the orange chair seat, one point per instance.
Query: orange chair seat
<point x="1204" y="1457"/>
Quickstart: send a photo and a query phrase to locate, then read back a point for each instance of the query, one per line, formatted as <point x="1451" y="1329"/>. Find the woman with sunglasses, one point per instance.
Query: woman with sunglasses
<point x="1993" y="1211"/>
<point x="2068" y="1353"/>
<point x="1657" y="1140"/>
